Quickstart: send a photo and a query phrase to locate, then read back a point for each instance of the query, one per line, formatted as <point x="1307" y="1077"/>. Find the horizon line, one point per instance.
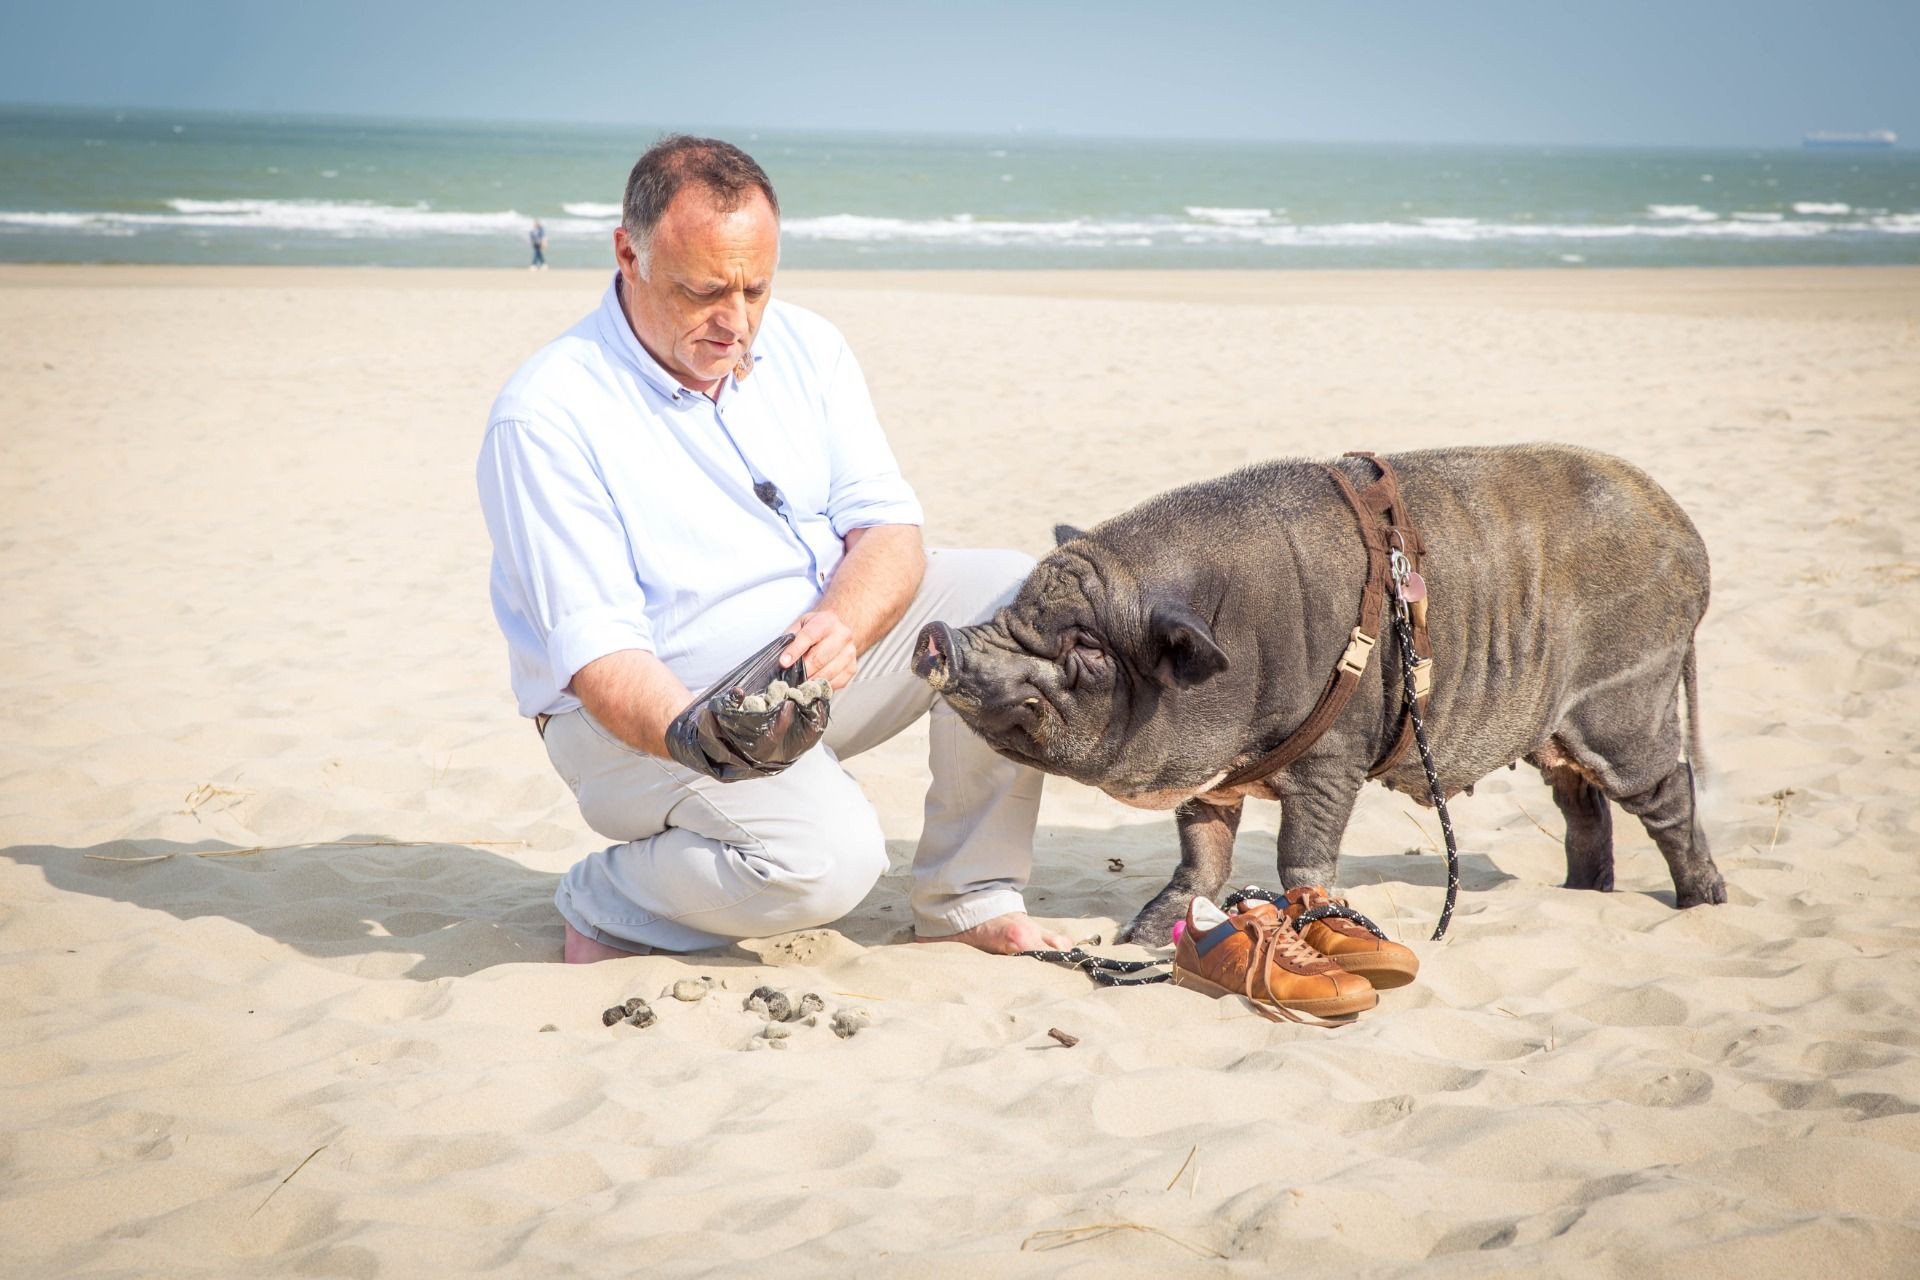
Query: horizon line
<point x="1004" y="134"/>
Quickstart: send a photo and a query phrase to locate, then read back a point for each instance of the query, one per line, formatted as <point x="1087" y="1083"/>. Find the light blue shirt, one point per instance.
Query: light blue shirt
<point x="622" y="505"/>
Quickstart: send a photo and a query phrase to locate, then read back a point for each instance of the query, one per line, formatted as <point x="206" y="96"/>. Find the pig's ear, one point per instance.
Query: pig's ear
<point x="1065" y="533"/>
<point x="1183" y="649"/>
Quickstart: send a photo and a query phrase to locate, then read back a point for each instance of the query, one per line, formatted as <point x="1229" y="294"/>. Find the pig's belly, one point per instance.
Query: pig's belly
<point x="1171" y="798"/>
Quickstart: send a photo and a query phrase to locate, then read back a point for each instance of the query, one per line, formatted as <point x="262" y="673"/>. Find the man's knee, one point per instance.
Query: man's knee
<point x="825" y="869"/>
<point x="982" y="579"/>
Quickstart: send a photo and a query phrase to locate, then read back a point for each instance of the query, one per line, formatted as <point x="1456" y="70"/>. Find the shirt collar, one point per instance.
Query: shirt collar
<point x="618" y="334"/>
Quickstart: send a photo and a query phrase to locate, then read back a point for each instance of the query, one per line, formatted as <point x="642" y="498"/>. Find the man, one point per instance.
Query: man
<point x="538" y="238"/>
<point x="688" y="473"/>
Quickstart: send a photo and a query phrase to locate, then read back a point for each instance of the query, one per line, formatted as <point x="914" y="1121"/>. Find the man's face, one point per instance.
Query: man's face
<point x="706" y="287"/>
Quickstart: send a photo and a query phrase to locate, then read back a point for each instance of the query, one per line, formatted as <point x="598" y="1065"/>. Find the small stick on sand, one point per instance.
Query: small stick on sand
<point x="1536" y="826"/>
<point x="1780" y="799"/>
<point x="1066" y="1041"/>
<point x="207" y="792"/>
<point x="1381" y="884"/>
<point x="1183" y="1165"/>
<point x="289" y="1178"/>
<point x="1060" y="1238"/>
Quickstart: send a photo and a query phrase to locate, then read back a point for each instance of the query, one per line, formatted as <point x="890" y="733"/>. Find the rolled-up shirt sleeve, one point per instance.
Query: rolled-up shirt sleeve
<point x="867" y="487"/>
<point x="562" y="566"/>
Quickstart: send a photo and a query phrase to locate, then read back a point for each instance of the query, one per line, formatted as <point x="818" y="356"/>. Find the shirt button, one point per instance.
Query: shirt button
<point x="822" y="578"/>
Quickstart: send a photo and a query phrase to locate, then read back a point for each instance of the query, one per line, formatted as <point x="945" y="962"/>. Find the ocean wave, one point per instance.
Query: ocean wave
<point x="1101" y="233"/>
<point x="1822" y="206"/>
<point x="1203" y="226"/>
<point x="593" y="209"/>
<point x="340" y="219"/>
<point x="1681" y="212"/>
<point x="1232" y="217"/>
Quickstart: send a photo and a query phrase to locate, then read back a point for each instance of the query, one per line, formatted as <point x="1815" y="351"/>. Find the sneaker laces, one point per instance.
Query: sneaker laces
<point x="1271" y="938"/>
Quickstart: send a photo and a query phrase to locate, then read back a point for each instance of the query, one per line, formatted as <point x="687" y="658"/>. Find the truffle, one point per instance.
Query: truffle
<point x="848" y="1023"/>
<point x="811" y="692"/>
<point x="771" y="1004"/>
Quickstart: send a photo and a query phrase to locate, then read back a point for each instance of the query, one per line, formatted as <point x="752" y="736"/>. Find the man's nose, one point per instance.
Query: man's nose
<point x="732" y="315"/>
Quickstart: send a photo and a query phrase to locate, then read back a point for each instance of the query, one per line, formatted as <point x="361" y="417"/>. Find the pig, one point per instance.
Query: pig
<point x="1166" y="648"/>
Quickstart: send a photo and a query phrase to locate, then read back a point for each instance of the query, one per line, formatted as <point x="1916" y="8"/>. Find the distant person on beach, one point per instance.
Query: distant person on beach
<point x="690" y="472"/>
<point x="538" y="237"/>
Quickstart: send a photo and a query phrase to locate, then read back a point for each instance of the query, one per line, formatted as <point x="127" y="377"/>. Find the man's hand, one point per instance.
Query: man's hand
<point x="827" y="645"/>
<point x="870" y="592"/>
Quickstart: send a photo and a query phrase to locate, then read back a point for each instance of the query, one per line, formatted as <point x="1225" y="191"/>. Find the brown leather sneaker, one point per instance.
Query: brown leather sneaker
<point x="1260" y="957"/>
<point x="1351" y="946"/>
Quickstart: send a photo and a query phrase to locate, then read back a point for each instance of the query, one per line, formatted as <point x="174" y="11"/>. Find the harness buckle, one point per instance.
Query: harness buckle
<point x="1359" y="653"/>
<point x="1423" y="679"/>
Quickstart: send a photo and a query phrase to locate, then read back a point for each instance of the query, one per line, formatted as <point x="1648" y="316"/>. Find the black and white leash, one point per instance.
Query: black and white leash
<point x="1105" y="970"/>
<point x="1305" y="918"/>
<point x="1408" y="658"/>
<point x="1109" y="972"/>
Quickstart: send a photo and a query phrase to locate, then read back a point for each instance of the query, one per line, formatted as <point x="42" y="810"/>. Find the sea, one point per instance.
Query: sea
<point x="172" y="187"/>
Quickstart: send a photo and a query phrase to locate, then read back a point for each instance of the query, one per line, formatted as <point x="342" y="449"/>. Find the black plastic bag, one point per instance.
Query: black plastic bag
<point x="754" y="721"/>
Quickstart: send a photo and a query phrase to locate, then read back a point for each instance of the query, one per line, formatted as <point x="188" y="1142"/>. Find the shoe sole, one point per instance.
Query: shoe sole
<point x="1383" y="974"/>
<point x="1344" y="1008"/>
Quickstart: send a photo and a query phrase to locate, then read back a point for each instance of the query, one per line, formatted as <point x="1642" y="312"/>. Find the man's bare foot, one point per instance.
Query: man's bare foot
<point x="584" y="950"/>
<point x="1005" y="935"/>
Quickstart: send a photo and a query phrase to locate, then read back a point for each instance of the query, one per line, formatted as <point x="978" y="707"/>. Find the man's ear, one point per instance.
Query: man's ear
<point x="1182" y="646"/>
<point x="1065" y="533"/>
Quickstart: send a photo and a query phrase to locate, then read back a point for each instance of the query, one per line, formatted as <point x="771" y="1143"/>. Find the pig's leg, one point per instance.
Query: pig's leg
<point x="1206" y="860"/>
<point x="1668" y="811"/>
<point x="1313" y="816"/>
<point x="1637" y="760"/>
<point x="1589" y="829"/>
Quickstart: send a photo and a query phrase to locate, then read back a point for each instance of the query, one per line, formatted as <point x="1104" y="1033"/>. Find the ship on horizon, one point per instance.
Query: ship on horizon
<point x="1871" y="140"/>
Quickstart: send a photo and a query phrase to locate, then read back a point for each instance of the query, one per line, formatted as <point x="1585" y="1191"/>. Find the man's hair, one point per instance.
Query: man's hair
<point x="725" y="172"/>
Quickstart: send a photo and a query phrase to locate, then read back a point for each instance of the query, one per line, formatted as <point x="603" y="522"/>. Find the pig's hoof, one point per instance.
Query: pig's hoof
<point x="1153" y="927"/>
<point x="1712" y="892"/>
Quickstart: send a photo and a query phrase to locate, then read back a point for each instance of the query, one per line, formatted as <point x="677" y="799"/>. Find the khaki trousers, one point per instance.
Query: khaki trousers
<point x="700" y="863"/>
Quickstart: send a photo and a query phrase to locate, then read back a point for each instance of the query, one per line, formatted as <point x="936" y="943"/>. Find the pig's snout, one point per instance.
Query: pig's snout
<point x="935" y="659"/>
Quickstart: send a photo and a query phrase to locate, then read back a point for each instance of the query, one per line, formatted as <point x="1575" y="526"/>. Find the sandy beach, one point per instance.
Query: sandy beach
<point x="279" y="990"/>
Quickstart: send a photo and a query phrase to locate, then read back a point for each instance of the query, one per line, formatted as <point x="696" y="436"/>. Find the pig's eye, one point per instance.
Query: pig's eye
<point x="1085" y="660"/>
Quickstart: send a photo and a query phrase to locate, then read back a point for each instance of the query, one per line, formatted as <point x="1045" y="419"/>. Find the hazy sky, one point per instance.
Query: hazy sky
<point x="1675" y="72"/>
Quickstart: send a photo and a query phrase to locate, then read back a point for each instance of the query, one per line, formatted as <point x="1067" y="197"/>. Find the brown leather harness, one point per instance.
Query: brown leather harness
<point x="1384" y="528"/>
